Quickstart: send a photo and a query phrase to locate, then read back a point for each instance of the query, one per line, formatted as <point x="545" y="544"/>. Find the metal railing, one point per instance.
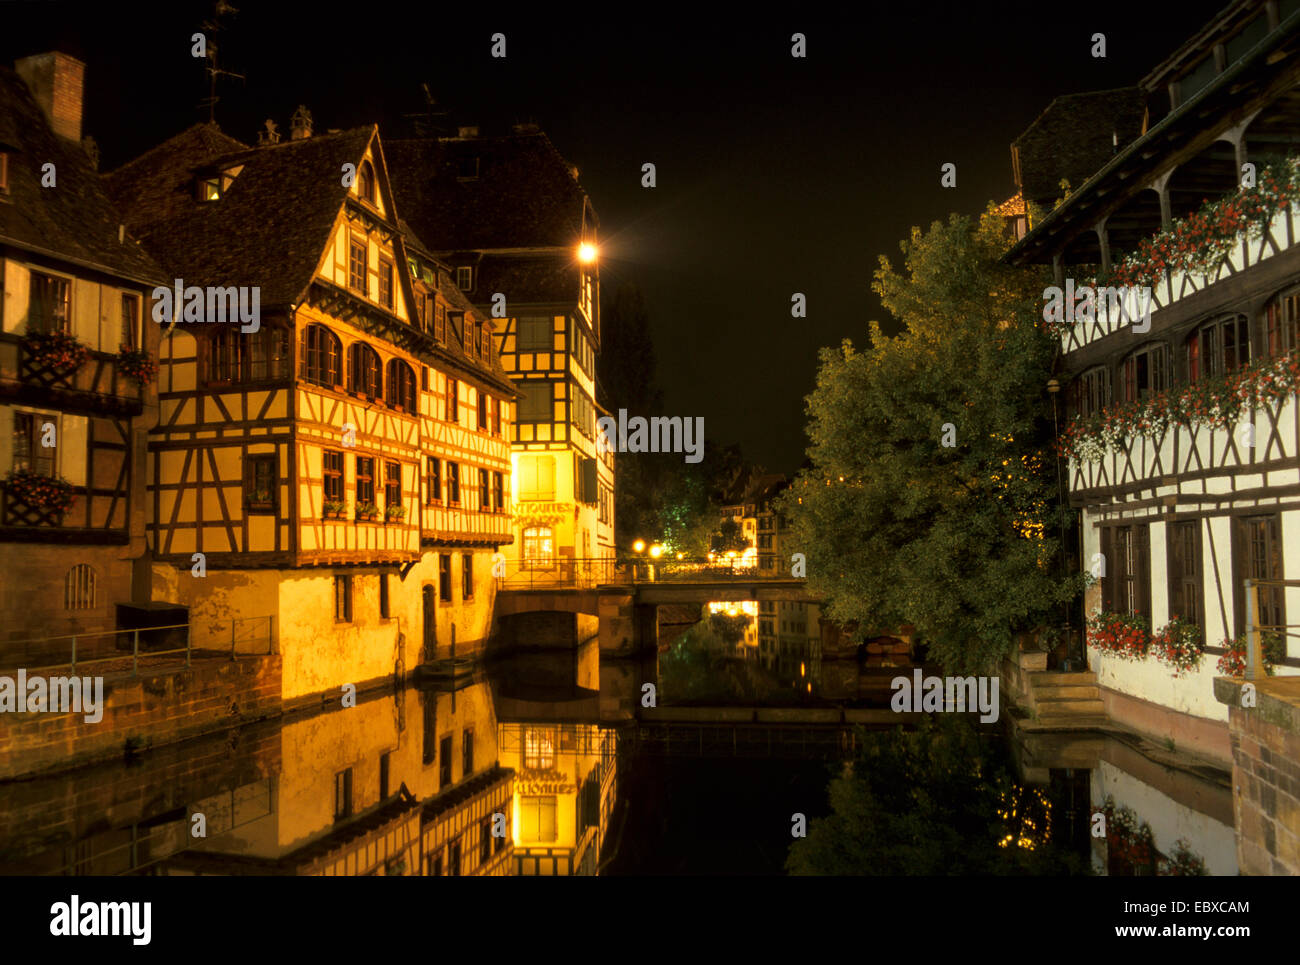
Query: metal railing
<point x="585" y="572"/>
<point x="1255" y="629"/>
<point x="116" y="650"/>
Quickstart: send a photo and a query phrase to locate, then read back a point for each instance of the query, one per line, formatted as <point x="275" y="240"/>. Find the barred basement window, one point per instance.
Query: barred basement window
<point x="79" y="588"/>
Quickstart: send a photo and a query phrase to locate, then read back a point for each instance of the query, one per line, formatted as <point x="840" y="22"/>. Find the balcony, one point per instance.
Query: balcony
<point x="96" y="387"/>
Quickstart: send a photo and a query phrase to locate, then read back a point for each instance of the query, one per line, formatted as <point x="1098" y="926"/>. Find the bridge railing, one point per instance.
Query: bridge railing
<point x="586" y="572"/>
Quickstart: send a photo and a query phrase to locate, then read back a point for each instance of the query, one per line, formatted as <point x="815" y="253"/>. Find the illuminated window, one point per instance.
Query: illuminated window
<point x="537" y="819"/>
<point x="536" y="477"/>
<point x="322" y="356"/>
<point x="539" y="747"/>
<point x="79" y="588"/>
<point x="208" y="189"/>
<point x="539" y="547"/>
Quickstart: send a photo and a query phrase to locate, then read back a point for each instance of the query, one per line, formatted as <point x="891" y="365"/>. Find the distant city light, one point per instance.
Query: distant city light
<point x="638" y="546"/>
<point x="656" y="551"/>
<point x="586" y="253"/>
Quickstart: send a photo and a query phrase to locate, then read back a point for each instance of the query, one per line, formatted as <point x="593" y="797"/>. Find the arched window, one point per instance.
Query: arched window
<point x="401" y="385"/>
<point x="321" y="356"/>
<point x="79" y="588"/>
<point x="1089" y="393"/>
<point x="1282" y="323"/>
<point x="1218" y="347"/>
<point x="1145" y="372"/>
<point x="236" y="356"/>
<point x="365" y="374"/>
<point x="366" y="182"/>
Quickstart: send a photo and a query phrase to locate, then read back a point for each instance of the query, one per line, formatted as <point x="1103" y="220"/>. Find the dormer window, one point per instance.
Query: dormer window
<point x="366" y="182"/>
<point x="209" y="189"/>
<point x="464" y="278"/>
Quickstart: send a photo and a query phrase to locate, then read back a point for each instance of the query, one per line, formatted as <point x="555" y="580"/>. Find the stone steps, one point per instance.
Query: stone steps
<point x="1068" y="707"/>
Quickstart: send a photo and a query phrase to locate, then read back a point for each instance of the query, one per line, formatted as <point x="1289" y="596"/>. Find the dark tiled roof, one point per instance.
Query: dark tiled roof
<point x="1074" y="138"/>
<point x="271" y="225"/>
<point x="525" y="194"/>
<point x="525" y="278"/>
<point x="73" y="220"/>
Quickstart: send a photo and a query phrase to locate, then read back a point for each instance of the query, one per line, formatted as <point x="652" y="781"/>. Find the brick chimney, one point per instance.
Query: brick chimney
<point x="57" y="82"/>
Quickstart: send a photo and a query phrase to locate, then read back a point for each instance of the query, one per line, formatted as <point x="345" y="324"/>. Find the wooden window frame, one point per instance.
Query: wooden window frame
<point x="367" y="189"/>
<point x="252" y="504"/>
<point x="484" y="491"/>
<point x="366" y="495"/>
<point x="535" y="342"/>
<point x="465" y="272"/>
<point x="483" y="408"/>
<point x="1089" y="392"/>
<point x="1184" y="569"/>
<point x="453" y="483"/>
<point x="1151" y="361"/>
<point x="1272" y="599"/>
<point x="1282" y="322"/>
<point x="320" y="358"/>
<point x="35" y="455"/>
<point x="343" y="585"/>
<point x="1206" y="347"/>
<point x="444" y="579"/>
<point x="433" y="481"/>
<point x="466" y="576"/>
<point x="343" y="805"/>
<point x="445" y="774"/>
<point x="399" y="388"/>
<point x="384" y="601"/>
<point x="50" y="319"/>
<point x="387" y="274"/>
<point x="467" y="752"/>
<point x="332" y="478"/>
<point x="536" y="561"/>
<point x="392" y="484"/>
<point x="498" y="492"/>
<point x="364" y="261"/>
<point x="130" y="319"/>
<point x="365" y="371"/>
<point x="453" y="400"/>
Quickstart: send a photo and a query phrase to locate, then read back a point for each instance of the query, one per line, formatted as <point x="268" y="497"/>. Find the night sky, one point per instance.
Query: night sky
<point x="775" y="175"/>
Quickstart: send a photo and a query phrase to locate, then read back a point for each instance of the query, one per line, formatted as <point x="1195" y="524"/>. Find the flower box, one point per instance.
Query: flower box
<point x="367" y="511"/>
<point x="333" y="509"/>
<point x="137" y="366"/>
<point x="394" y="513"/>
<point x="58" y="351"/>
<point x="40" y="492"/>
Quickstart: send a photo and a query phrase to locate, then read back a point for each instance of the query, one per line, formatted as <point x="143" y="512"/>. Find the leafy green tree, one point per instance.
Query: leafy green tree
<point x="931" y="494"/>
<point x="931" y="801"/>
<point x="729" y="538"/>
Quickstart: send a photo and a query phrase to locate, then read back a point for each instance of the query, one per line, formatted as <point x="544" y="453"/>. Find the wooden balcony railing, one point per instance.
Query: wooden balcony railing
<point x="97" y="386"/>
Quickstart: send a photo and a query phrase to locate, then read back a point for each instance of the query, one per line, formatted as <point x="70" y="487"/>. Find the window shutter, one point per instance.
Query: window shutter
<point x="1108" y="574"/>
<point x="1144" y="568"/>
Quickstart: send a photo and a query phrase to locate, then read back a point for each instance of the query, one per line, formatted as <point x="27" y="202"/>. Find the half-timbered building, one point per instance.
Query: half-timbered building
<point x="74" y="372"/>
<point x="510" y="216"/>
<point x="340" y="464"/>
<point x="1178" y="513"/>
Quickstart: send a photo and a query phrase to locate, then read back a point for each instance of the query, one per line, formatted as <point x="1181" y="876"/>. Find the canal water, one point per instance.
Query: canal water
<point x="709" y="756"/>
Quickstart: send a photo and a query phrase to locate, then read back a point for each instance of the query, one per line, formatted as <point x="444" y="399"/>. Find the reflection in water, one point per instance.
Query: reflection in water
<point x="555" y="763"/>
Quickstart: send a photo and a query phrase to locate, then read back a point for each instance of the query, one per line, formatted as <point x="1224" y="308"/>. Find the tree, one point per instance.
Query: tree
<point x="931" y="801"/>
<point x="931" y="494"/>
<point x="728" y="538"/>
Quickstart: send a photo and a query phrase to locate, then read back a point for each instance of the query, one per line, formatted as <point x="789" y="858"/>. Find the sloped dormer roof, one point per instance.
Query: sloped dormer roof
<point x="270" y="226"/>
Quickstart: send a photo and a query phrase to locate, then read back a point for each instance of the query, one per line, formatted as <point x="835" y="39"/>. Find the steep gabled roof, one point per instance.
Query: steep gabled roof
<point x="74" y="220"/>
<point x="525" y="194"/>
<point x="1074" y="137"/>
<point x="271" y="225"/>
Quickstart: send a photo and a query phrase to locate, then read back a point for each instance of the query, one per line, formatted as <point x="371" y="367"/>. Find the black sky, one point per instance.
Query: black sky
<point x="775" y="175"/>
